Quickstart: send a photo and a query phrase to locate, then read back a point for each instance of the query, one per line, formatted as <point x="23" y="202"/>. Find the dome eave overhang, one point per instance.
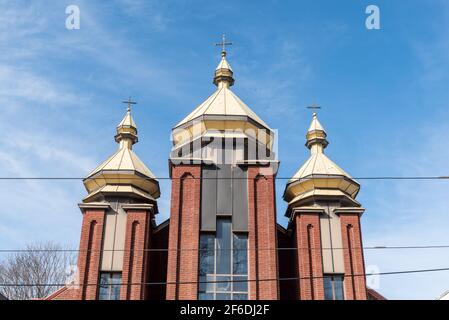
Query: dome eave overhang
<point x="122" y="177"/>
<point x="301" y="185"/>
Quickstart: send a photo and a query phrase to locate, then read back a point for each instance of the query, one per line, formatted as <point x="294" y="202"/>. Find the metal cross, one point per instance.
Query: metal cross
<point x="223" y="45"/>
<point x="129" y="103"/>
<point x="314" y="107"/>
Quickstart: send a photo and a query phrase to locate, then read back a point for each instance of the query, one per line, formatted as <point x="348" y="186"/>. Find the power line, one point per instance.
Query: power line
<point x="237" y="178"/>
<point x="230" y="249"/>
<point x="226" y="281"/>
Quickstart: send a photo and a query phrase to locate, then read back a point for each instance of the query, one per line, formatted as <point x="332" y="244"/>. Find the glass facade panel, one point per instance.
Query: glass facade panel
<point x="333" y="288"/>
<point x="223" y="296"/>
<point x="338" y="288"/>
<point x="206" y="296"/>
<point x="328" y="292"/>
<point x="207" y="244"/>
<point x="110" y="284"/>
<point x="223" y="284"/>
<point x="224" y="246"/>
<point x="240" y="284"/>
<point x="223" y="263"/>
<point x="240" y="254"/>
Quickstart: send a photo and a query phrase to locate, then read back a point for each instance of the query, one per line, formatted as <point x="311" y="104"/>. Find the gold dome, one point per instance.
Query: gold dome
<point x="319" y="176"/>
<point x="123" y="172"/>
<point x="220" y="112"/>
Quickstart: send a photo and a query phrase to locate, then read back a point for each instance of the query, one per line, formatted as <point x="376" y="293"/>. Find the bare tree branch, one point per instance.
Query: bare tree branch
<point x="40" y="263"/>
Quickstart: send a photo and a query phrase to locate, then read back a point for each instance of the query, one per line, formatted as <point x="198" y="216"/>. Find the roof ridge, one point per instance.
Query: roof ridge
<point x="218" y="93"/>
<point x="121" y="159"/>
<point x="192" y="115"/>
<point x="246" y="108"/>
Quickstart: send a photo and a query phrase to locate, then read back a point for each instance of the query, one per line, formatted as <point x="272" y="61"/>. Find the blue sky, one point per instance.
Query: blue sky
<point x="384" y="95"/>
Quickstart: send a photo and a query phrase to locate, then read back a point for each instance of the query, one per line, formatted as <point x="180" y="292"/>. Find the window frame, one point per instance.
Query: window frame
<point x="215" y="291"/>
<point x="333" y="278"/>
<point x="110" y="285"/>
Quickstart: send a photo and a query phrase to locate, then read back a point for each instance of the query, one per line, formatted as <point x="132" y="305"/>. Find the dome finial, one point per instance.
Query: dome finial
<point x="127" y="129"/>
<point x="316" y="135"/>
<point x="223" y="72"/>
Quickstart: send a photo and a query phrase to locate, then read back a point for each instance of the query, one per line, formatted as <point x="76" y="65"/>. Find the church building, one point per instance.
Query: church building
<point x="222" y="240"/>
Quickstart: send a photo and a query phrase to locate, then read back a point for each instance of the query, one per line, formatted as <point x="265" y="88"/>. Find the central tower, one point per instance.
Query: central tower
<point x="222" y="242"/>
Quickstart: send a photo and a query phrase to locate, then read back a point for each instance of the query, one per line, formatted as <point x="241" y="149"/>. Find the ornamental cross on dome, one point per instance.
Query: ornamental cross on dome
<point x="129" y="102"/>
<point x="223" y="45"/>
<point x="314" y="107"/>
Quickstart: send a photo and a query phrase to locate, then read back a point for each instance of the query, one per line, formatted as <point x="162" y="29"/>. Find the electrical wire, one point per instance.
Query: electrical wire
<point x="227" y="281"/>
<point x="226" y="249"/>
<point x="235" y="178"/>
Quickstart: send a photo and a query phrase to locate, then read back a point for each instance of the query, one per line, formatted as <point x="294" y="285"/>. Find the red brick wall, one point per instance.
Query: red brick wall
<point x="90" y="253"/>
<point x="309" y="259"/>
<point x="183" y="241"/>
<point x="135" y="260"/>
<point x="64" y="293"/>
<point x="355" y="286"/>
<point x="262" y="237"/>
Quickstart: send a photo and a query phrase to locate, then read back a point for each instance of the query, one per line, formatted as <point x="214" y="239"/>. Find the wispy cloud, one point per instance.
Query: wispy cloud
<point x="24" y="85"/>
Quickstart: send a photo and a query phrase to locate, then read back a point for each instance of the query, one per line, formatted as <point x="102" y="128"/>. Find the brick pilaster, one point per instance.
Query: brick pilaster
<point x="309" y="258"/>
<point x="136" y="255"/>
<point x="262" y="237"/>
<point x="183" y="241"/>
<point x="90" y="253"/>
<point x="354" y="282"/>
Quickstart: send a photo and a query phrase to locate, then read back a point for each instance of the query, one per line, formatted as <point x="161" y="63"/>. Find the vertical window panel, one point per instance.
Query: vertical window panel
<point x="240" y="254"/>
<point x="207" y="250"/>
<point x="224" y="246"/>
<point x="110" y="284"/>
<point x="333" y="288"/>
<point x="338" y="288"/>
<point x="223" y="265"/>
<point x="328" y="294"/>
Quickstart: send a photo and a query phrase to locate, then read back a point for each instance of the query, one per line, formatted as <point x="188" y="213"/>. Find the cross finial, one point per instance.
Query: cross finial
<point x="223" y="45"/>
<point x="314" y="107"/>
<point x="129" y="102"/>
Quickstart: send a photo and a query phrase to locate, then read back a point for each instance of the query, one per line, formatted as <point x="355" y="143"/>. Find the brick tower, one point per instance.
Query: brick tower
<point x="223" y="201"/>
<point x="118" y="218"/>
<point x="325" y="221"/>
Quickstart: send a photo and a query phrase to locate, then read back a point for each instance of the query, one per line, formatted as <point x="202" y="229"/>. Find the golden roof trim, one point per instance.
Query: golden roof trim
<point x="223" y="102"/>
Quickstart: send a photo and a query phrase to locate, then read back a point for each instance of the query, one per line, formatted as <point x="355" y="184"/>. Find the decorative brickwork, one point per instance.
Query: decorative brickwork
<point x="263" y="260"/>
<point x="183" y="241"/>
<point x="136" y="257"/>
<point x="309" y="259"/>
<point x="354" y="283"/>
<point x="90" y="253"/>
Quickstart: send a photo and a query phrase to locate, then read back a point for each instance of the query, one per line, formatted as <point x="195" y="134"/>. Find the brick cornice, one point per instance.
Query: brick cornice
<point x="349" y="210"/>
<point x="93" y="206"/>
<point x="137" y="206"/>
<point x="302" y="210"/>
